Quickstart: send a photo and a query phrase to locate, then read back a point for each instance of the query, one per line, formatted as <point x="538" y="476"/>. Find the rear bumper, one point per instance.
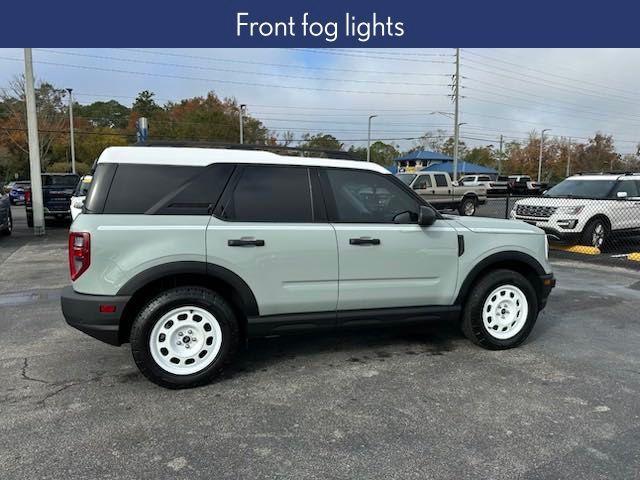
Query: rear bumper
<point x="82" y="311"/>
<point x="547" y="282"/>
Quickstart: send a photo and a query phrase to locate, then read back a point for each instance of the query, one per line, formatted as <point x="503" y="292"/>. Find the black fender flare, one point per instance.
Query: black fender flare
<point x="495" y="259"/>
<point x="216" y="272"/>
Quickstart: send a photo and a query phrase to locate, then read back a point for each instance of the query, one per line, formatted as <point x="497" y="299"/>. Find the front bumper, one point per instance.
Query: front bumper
<point x="547" y="283"/>
<point x="82" y="311"/>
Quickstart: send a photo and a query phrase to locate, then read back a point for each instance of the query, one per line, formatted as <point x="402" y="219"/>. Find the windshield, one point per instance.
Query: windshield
<point x="582" y="188"/>
<point x="406" y="178"/>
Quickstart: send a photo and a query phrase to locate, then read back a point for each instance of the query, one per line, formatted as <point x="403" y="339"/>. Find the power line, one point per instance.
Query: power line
<point x="279" y="65"/>
<point x="327" y="51"/>
<point x="233" y="82"/>
<point x="547" y="83"/>
<point x="609" y="87"/>
<point x="199" y="67"/>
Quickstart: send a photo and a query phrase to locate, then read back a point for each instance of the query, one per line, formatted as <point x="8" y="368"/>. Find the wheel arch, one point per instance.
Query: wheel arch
<point x="149" y="282"/>
<point x="519" y="262"/>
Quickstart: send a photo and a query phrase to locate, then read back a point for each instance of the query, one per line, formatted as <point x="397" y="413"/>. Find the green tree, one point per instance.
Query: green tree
<point x="110" y="114"/>
<point x="323" y="141"/>
<point x="144" y="104"/>
<point x="482" y="156"/>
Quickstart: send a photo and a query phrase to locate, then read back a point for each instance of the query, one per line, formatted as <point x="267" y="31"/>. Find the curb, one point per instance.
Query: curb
<point x="585" y="250"/>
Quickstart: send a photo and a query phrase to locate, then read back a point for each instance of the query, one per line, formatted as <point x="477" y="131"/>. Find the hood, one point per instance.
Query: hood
<point x="494" y="225"/>
<point x="553" y="201"/>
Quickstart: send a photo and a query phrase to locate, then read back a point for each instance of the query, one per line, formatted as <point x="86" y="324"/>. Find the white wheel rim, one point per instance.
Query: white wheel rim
<point x="185" y="340"/>
<point x="505" y="312"/>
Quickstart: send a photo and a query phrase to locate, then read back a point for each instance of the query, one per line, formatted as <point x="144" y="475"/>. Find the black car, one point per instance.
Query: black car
<point x="57" y="190"/>
<point x="6" y="221"/>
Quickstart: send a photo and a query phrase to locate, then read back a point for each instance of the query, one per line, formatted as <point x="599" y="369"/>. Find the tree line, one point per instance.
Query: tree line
<point x="209" y="118"/>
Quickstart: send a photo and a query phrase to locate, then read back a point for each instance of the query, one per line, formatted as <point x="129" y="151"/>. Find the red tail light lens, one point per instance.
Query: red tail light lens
<point x="27" y="197"/>
<point x="79" y="253"/>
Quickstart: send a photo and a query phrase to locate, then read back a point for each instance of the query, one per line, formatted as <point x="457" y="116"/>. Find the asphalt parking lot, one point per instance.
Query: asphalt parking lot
<point x="416" y="403"/>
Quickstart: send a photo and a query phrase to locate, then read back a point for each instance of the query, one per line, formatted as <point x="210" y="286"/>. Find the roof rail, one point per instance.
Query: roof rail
<point x="612" y="172"/>
<point x="336" y="154"/>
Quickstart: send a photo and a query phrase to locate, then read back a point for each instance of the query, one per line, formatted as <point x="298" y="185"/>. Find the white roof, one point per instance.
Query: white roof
<point x="201" y="157"/>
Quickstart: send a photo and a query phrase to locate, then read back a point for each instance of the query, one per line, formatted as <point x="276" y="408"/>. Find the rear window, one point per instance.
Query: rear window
<point x="165" y="189"/>
<point x="60" y="180"/>
<point x="441" y="180"/>
<point x="156" y="189"/>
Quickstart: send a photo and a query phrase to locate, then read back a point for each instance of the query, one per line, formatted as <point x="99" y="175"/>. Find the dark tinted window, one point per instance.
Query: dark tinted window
<point x="441" y="180"/>
<point x="582" y="188"/>
<point x="367" y="197"/>
<point x="97" y="194"/>
<point x="197" y="196"/>
<point x="270" y="194"/>
<point x="60" y="180"/>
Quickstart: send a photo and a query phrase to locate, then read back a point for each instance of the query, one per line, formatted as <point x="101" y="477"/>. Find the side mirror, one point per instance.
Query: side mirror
<point x="426" y="216"/>
<point x="79" y="203"/>
<point x="622" y="194"/>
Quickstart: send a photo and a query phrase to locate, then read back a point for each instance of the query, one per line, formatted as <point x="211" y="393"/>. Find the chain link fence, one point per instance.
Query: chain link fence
<point x="608" y="219"/>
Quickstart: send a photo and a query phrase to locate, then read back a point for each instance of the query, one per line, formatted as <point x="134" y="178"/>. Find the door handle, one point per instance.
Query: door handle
<point x="242" y="242"/>
<point x="364" y="241"/>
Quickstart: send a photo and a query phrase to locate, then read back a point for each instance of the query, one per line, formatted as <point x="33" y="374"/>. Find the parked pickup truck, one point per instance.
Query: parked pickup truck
<point x="57" y="190"/>
<point x="438" y="189"/>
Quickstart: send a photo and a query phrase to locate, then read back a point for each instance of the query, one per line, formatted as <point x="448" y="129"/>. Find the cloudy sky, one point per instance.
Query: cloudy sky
<point x="505" y="91"/>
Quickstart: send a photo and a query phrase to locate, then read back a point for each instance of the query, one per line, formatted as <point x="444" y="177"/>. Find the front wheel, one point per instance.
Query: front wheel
<point x="467" y="207"/>
<point x="596" y="234"/>
<point x="184" y="337"/>
<point x="501" y="310"/>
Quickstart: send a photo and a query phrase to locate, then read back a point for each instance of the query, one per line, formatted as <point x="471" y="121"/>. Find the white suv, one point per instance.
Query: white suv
<point x="587" y="209"/>
<point x="218" y="245"/>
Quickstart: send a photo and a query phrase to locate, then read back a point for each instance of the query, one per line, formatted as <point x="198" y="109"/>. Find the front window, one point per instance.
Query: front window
<point x="581" y="188"/>
<point x="366" y="197"/>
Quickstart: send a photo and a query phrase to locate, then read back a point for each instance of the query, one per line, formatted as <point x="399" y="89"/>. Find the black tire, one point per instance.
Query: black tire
<point x="9" y="227"/>
<point x="467" y="207"/>
<point x="165" y="302"/>
<point x="30" y="221"/>
<point x="591" y="236"/>
<point x="472" y="322"/>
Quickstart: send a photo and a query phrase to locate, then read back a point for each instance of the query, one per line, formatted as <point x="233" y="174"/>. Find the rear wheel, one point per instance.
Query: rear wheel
<point x="501" y="310"/>
<point x="596" y="234"/>
<point x="467" y="207"/>
<point x="8" y="228"/>
<point x="184" y="337"/>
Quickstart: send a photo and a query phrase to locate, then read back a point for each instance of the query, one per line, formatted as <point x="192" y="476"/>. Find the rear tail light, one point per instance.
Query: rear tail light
<point x="27" y="197"/>
<point x="79" y="253"/>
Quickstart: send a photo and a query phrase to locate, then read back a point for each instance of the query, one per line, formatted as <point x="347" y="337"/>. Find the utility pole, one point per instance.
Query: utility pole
<point x="73" y="143"/>
<point x="456" y="131"/>
<point x="540" y="157"/>
<point x="500" y="157"/>
<point x="34" y="146"/>
<point x="242" y="107"/>
<point x="369" y="138"/>
<point x="569" y="158"/>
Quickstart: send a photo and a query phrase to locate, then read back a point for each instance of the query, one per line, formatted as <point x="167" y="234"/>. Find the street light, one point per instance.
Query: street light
<point x="242" y="107"/>
<point x="540" y="157"/>
<point x="73" y="143"/>
<point x="369" y="139"/>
